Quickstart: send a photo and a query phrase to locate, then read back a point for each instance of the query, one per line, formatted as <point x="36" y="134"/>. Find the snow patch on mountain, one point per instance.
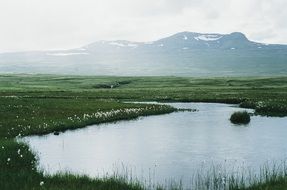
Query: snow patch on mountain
<point x="67" y="54"/>
<point x="119" y="44"/>
<point x="208" y="37"/>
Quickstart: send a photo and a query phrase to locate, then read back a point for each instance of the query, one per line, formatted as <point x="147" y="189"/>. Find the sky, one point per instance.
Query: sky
<point x="62" y="24"/>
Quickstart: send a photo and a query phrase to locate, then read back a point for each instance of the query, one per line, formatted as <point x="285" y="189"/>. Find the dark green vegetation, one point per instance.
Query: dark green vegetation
<point x="41" y="104"/>
<point x="240" y="118"/>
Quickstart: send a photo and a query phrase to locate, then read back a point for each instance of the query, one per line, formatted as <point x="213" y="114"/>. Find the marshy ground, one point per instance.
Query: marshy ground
<point x="41" y="104"/>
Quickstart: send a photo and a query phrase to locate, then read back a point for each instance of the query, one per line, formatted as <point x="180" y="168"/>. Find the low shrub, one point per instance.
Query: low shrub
<point x="240" y="117"/>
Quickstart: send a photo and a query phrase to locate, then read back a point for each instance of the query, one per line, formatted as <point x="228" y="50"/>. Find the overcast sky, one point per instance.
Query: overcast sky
<point x="62" y="24"/>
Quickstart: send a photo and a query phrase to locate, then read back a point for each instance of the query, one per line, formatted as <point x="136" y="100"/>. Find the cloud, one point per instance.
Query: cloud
<point x="57" y="24"/>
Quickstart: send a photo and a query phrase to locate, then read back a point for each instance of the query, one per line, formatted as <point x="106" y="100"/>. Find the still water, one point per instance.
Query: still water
<point x="171" y="146"/>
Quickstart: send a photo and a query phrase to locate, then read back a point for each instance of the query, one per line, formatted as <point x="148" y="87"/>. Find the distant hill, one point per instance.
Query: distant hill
<point x="182" y="54"/>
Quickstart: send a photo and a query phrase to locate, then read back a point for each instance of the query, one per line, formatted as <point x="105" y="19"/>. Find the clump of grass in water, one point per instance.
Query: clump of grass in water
<point x="240" y="117"/>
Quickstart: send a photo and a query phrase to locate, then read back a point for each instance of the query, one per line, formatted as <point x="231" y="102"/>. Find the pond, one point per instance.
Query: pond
<point x="174" y="146"/>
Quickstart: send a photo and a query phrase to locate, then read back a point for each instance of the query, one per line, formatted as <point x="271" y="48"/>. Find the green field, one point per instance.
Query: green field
<point x="41" y="104"/>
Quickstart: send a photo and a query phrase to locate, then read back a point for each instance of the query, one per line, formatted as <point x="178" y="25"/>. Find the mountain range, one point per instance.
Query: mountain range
<point x="182" y="54"/>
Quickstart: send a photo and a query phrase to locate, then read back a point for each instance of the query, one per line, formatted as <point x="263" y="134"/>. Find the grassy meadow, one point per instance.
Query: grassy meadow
<point x="267" y="95"/>
<point x="42" y="104"/>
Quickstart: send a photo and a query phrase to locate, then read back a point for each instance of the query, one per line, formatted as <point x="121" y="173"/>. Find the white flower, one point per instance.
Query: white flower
<point x="41" y="183"/>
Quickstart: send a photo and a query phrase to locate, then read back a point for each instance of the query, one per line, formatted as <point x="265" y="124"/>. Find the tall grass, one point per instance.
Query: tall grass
<point x="270" y="176"/>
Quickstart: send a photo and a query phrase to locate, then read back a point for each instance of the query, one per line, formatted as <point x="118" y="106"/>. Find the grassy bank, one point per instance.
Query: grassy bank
<point x="41" y="104"/>
<point x="28" y="116"/>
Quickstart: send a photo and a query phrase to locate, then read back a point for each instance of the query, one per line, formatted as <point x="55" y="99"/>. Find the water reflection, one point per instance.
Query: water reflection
<point x="167" y="146"/>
